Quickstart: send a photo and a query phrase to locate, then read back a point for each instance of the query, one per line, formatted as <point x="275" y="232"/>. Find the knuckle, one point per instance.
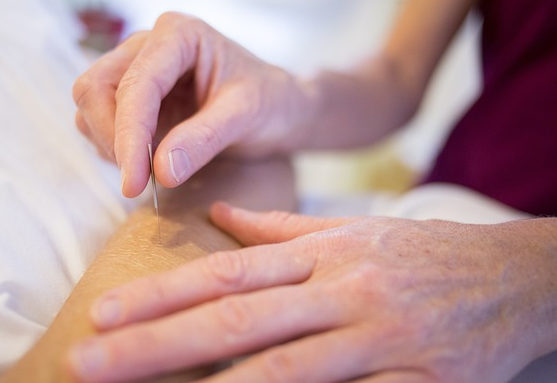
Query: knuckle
<point x="81" y="87"/>
<point x="279" y="367"/>
<point x="195" y="23"/>
<point x="280" y="217"/>
<point x="385" y="240"/>
<point x="324" y="245"/>
<point x="169" y="17"/>
<point x="227" y="268"/>
<point x="370" y="271"/>
<point x="207" y="135"/>
<point x="125" y="346"/>
<point x="367" y="274"/>
<point x="364" y="284"/>
<point x="81" y="124"/>
<point x="210" y="138"/>
<point x="91" y="86"/>
<point x="387" y="231"/>
<point x="234" y="316"/>
<point x="138" y="79"/>
<point x="128" y="82"/>
<point x="135" y="36"/>
<point x="312" y="249"/>
<point x="155" y="288"/>
<point x="177" y="20"/>
<point x="334" y="240"/>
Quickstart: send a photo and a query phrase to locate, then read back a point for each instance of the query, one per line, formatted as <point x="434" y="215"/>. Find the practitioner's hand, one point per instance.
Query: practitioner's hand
<point x="323" y="300"/>
<point x="187" y="85"/>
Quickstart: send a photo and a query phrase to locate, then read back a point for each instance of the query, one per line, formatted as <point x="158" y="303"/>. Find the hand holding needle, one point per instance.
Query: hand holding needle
<point x="154" y="185"/>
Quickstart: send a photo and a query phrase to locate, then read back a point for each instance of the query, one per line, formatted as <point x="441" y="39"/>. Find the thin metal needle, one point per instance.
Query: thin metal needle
<point x="154" y="185"/>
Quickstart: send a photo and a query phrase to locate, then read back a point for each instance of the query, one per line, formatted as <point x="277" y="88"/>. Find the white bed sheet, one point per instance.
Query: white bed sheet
<point x="59" y="202"/>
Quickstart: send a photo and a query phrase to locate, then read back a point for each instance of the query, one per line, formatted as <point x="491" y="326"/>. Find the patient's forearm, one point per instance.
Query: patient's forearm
<point x="135" y="251"/>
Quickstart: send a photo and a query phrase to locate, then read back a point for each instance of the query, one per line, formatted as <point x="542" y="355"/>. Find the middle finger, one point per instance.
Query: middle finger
<point x="226" y="328"/>
<point x="94" y="91"/>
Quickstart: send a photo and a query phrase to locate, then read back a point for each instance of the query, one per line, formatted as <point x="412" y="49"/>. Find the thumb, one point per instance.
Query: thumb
<point x="254" y="228"/>
<point x="194" y="142"/>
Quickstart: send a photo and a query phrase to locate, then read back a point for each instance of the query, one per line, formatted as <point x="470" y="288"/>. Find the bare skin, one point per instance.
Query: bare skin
<point x="196" y="93"/>
<point x="134" y="251"/>
<point x="337" y="299"/>
<point x="384" y="300"/>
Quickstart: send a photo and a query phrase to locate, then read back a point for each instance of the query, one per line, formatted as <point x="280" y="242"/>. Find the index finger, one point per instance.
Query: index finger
<point x="167" y="55"/>
<point x="204" y="279"/>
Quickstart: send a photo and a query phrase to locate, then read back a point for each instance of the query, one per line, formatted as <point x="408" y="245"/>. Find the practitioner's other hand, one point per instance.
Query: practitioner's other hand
<point x="323" y="300"/>
<point x="197" y="92"/>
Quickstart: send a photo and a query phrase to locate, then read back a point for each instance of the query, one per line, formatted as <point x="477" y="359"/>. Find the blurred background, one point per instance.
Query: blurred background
<point x="305" y="36"/>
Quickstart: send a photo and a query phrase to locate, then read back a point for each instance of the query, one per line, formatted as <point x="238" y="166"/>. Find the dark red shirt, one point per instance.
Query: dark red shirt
<point x="506" y="144"/>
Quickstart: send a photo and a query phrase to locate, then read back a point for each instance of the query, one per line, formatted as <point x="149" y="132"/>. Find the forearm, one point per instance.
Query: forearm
<point x="355" y="109"/>
<point x="134" y="251"/>
<point x="359" y="107"/>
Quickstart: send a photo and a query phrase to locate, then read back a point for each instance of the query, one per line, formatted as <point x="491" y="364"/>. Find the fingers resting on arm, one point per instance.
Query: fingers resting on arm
<point x="220" y="273"/>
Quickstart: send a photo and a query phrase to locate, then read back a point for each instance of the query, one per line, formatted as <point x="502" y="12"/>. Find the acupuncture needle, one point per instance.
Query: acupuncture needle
<point x="154" y="186"/>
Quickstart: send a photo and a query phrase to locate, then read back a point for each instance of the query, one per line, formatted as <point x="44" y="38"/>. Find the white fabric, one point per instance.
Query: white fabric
<point x="58" y="201"/>
<point x="432" y="201"/>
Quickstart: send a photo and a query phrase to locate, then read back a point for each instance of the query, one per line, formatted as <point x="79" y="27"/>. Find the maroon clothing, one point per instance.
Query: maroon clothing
<point x="506" y="145"/>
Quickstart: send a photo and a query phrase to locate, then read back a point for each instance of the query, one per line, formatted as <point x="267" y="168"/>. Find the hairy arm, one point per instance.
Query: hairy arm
<point x="381" y="94"/>
<point x="135" y="251"/>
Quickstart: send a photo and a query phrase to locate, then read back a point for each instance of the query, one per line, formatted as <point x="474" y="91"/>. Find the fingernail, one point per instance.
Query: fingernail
<point x="107" y="312"/>
<point x="179" y="164"/>
<point x="88" y="358"/>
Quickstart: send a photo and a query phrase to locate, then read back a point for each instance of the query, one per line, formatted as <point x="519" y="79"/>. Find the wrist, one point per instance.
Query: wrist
<point x="534" y="242"/>
<point x="545" y="279"/>
<point x="336" y="110"/>
<point x="300" y="111"/>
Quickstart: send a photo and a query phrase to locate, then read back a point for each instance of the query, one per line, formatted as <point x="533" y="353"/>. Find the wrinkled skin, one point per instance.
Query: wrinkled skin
<point x="190" y="89"/>
<point x="323" y="300"/>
